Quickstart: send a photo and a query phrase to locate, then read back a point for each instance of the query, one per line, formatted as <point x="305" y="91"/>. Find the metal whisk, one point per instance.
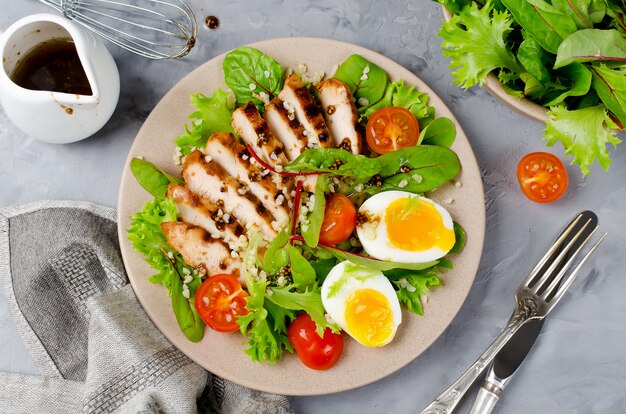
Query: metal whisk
<point x="156" y="29"/>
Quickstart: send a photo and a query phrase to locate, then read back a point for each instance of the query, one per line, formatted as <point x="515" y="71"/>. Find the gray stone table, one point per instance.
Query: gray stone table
<point x="579" y="363"/>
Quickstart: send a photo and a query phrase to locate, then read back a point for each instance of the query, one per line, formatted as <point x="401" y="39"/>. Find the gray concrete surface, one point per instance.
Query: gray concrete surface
<point x="579" y="362"/>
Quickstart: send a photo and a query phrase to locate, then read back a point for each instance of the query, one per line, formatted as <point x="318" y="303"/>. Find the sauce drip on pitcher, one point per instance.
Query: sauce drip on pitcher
<point x="54" y="66"/>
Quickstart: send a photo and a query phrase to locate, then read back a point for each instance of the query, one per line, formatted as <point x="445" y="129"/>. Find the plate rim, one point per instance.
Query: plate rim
<point x="354" y="48"/>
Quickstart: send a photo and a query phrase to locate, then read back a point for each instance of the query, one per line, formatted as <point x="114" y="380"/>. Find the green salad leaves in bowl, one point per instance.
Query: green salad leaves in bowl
<point x="558" y="61"/>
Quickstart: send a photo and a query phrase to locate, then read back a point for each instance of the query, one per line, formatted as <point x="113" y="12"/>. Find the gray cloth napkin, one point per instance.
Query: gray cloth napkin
<point x="97" y="350"/>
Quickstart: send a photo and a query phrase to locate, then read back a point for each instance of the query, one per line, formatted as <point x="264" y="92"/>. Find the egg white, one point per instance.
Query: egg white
<point x="335" y="306"/>
<point x="375" y="240"/>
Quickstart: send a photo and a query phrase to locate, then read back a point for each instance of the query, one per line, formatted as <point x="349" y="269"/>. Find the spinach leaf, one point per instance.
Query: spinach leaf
<point x="460" y="238"/>
<point x="322" y="268"/>
<point x="610" y="85"/>
<point x="276" y="257"/>
<point x="545" y="23"/>
<point x="584" y="13"/>
<point x="591" y="44"/>
<point x="152" y="178"/>
<point x="534" y="58"/>
<point x="248" y="72"/>
<point x="309" y="301"/>
<point x="366" y="80"/>
<point x="372" y="263"/>
<point x="397" y="274"/>
<point x="334" y="161"/>
<point x="617" y="10"/>
<point x="214" y="114"/>
<point x="584" y="134"/>
<point x="427" y="167"/>
<point x="475" y="40"/>
<point x="311" y="234"/>
<point x="301" y="270"/>
<point x="440" y="132"/>
<point x="578" y="80"/>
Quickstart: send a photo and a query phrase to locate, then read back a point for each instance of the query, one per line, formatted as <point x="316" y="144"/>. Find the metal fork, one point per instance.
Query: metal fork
<point x="534" y="299"/>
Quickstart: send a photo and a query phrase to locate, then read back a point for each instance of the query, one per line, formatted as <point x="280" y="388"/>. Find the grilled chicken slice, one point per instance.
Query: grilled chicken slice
<point x="209" y="180"/>
<point x="299" y="100"/>
<point x="235" y="159"/>
<point x="286" y="128"/>
<point x="198" y="248"/>
<point x="200" y="212"/>
<point x="336" y="100"/>
<point x="252" y="128"/>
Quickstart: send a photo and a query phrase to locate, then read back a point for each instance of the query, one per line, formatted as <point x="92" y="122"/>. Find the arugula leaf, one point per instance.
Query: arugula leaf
<point x="584" y="13"/>
<point x="301" y="270"/>
<point x="280" y="318"/>
<point x="248" y="72"/>
<point x="309" y="301"/>
<point x="334" y="161"/>
<point x="429" y="166"/>
<point x="316" y="217"/>
<point x="412" y="286"/>
<point x="544" y="22"/>
<point x="214" y="114"/>
<point x="440" y="131"/>
<point x="152" y="178"/>
<point x="366" y="80"/>
<point x="372" y="263"/>
<point x="610" y="86"/>
<point x="591" y="44"/>
<point x="584" y="134"/>
<point x="475" y="41"/>
<point x="147" y="238"/>
<point x="579" y="79"/>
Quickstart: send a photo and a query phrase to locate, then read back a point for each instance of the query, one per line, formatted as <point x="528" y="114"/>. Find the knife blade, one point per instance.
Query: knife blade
<point x="504" y="365"/>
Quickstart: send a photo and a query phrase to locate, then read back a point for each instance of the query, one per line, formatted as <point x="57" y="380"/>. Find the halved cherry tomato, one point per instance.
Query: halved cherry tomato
<point x="392" y="128"/>
<point x="339" y="219"/>
<point x="542" y="176"/>
<point x="314" y="351"/>
<point x="219" y="300"/>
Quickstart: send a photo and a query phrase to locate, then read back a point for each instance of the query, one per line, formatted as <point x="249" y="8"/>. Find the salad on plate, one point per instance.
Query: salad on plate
<point x="301" y="209"/>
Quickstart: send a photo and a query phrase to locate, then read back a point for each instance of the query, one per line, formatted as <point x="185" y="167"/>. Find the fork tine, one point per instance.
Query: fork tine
<point x="553" y="298"/>
<point x="551" y="251"/>
<point x="574" y="244"/>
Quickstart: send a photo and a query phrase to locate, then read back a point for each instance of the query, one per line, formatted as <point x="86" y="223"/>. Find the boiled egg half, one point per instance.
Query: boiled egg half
<point x="362" y="302"/>
<point x="403" y="227"/>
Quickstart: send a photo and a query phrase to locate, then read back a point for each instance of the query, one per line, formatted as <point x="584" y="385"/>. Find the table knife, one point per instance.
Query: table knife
<point x="504" y="365"/>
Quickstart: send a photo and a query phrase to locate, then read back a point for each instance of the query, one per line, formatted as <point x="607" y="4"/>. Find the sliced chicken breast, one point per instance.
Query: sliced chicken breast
<point x="340" y="113"/>
<point x="254" y="131"/>
<point x="198" y="248"/>
<point x="298" y="99"/>
<point x="200" y="212"/>
<point x="209" y="180"/>
<point x="286" y="128"/>
<point x="235" y="159"/>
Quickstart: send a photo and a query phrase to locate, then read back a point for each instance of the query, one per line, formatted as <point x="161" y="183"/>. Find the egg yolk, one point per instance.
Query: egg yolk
<point x="369" y="317"/>
<point x="416" y="225"/>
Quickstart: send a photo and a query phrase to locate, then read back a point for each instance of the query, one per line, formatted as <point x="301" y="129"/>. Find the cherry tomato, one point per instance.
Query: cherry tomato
<point x="314" y="351"/>
<point x="389" y="129"/>
<point x="542" y="176"/>
<point x="219" y="300"/>
<point x="339" y="219"/>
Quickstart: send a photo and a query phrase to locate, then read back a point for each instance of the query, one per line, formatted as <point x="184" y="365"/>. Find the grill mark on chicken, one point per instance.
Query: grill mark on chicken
<point x="199" y="249"/>
<point x="206" y="179"/>
<point x="340" y="114"/>
<point x="234" y="158"/>
<point x="252" y="128"/>
<point x="289" y="132"/>
<point x="203" y="213"/>
<point x="295" y="95"/>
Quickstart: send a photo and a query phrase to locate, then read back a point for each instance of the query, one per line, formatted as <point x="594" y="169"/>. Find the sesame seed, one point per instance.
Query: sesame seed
<point x="208" y="158"/>
<point x="363" y="101"/>
<point x="139" y="157"/>
<point x="366" y="69"/>
<point x="418" y="178"/>
<point x="458" y="184"/>
<point x="234" y="254"/>
<point x="364" y="77"/>
<point x="170" y="255"/>
<point x="186" y="293"/>
<point x="187" y="279"/>
<point x="448" y="201"/>
<point x="302" y="68"/>
<point x="267" y="74"/>
<point x="186" y="271"/>
<point x="252" y="86"/>
<point x="245" y="157"/>
<point x="403" y="183"/>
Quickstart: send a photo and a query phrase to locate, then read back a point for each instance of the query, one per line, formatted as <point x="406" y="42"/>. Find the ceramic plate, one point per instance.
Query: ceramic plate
<point x="223" y="354"/>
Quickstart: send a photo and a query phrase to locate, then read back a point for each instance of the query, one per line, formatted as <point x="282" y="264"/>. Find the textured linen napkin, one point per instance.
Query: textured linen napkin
<point x="97" y="350"/>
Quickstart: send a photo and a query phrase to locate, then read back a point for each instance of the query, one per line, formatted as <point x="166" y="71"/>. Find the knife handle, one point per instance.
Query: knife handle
<point x="488" y="397"/>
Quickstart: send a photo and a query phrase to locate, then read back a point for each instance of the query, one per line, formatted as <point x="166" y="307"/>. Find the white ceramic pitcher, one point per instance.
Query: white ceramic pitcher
<point x="57" y="117"/>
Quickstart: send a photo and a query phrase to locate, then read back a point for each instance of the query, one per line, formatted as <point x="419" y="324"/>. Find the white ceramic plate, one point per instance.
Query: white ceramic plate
<point x="223" y="354"/>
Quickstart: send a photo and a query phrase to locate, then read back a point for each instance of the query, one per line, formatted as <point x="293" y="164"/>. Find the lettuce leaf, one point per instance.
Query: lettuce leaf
<point x="214" y="114"/>
<point x="584" y="134"/>
<point x="475" y="41"/>
<point x="412" y="286"/>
